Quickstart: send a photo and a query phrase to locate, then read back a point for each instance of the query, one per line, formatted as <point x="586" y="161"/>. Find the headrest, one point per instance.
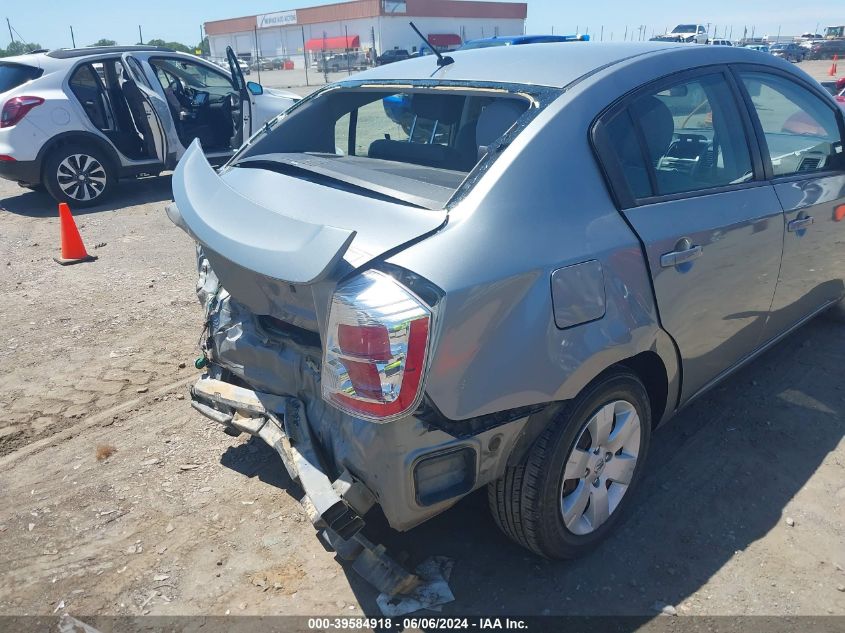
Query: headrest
<point x="497" y="118"/>
<point x="445" y="109"/>
<point x="657" y="125"/>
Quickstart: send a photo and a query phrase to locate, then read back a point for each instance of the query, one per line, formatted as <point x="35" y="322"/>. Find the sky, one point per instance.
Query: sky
<point x="48" y="22"/>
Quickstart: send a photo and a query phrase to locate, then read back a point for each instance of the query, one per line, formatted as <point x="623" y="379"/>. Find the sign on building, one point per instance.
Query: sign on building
<point x="281" y="18"/>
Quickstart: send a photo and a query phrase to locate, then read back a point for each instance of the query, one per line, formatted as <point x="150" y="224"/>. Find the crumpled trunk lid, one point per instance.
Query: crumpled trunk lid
<point x="278" y="243"/>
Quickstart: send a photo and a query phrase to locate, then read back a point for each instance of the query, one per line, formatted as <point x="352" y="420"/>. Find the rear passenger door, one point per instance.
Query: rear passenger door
<point x="690" y="184"/>
<point x="801" y="134"/>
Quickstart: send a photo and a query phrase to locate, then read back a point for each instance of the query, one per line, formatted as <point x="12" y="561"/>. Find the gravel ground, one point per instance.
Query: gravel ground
<point x="741" y="511"/>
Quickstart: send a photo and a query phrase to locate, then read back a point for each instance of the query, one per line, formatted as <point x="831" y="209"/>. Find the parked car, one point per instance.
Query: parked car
<point x="826" y="49"/>
<point x="74" y="121"/>
<point x="244" y="66"/>
<point x="791" y="52"/>
<point x="512" y="40"/>
<point x="592" y="238"/>
<point x="392" y="55"/>
<point x="717" y="42"/>
<point x="266" y="63"/>
<point x="760" y="48"/>
<point x="343" y="61"/>
<point x="685" y="34"/>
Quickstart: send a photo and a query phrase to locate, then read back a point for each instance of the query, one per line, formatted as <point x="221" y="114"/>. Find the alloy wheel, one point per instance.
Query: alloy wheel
<point x="81" y="177"/>
<point x="600" y="467"/>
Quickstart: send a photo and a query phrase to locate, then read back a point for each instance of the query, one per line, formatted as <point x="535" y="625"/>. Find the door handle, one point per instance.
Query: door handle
<point x="676" y="258"/>
<point x="799" y="223"/>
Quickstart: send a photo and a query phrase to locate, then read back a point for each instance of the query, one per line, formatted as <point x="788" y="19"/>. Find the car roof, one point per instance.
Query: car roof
<point x="67" y="53"/>
<point x="60" y="60"/>
<point x="555" y="65"/>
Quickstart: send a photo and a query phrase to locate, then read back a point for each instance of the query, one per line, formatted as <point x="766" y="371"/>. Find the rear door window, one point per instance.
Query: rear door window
<point x="14" y="75"/>
<point x="682" y="138"/>
<point x="87" y="86"/>
<point x="801" y="131"/>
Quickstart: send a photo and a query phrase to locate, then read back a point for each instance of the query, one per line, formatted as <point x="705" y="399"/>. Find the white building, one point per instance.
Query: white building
<point x="370" y="26"/>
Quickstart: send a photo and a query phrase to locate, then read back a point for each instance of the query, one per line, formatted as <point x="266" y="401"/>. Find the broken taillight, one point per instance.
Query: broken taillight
<point x="376" y="348"/>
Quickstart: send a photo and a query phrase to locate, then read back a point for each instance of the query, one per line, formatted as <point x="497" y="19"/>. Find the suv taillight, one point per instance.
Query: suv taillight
<point x="376" y="348"/>
<point x="16" y="108"/>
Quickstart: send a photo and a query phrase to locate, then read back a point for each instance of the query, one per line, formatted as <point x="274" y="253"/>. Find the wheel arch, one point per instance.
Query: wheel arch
<point x="650" y="369"/>
<point x="66" y="138"/>
<point x="661" y="383"/>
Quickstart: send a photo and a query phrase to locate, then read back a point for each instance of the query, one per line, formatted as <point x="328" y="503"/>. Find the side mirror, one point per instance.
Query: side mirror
<point x="254" y="88"/>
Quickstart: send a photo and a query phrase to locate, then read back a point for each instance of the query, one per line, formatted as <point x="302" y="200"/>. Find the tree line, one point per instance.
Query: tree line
<point x="21" y="48"/>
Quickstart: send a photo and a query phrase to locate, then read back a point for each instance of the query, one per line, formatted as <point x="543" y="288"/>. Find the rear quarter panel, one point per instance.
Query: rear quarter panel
<point x="543" y="205"/>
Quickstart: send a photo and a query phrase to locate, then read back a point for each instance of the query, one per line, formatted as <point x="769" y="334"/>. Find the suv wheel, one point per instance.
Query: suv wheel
<point x="79" y="175"/>
<point x="572" y="487"/>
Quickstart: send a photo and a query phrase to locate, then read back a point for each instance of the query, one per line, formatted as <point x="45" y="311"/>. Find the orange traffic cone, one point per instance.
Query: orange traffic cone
<point x="832" y="71"/>
<point x="73" y="250"/>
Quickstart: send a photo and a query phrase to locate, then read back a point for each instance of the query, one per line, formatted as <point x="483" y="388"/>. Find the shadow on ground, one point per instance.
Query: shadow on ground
<point x="254" y="458"/>
<point x="39" y="204"/>
<point x="718" y="478"/>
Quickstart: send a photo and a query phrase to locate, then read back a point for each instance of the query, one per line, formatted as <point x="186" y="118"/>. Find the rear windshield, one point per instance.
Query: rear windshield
<point x="14" y="75"/>
<point x="415" y="146"/>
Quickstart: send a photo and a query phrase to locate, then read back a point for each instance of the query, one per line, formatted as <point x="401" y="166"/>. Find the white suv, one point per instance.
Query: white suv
<point x="74" y="121"/>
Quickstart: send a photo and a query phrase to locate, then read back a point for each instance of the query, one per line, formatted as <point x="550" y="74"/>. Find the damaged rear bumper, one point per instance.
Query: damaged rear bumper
<point x="336" y="508"/>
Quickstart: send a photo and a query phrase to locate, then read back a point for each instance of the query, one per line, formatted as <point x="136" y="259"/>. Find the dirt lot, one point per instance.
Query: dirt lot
<point x="741" y="511"/>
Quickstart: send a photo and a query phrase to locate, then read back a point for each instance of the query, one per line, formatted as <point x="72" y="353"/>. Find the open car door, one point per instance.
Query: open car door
<point x="242" y="110"/>
<point x="149" y="111"/>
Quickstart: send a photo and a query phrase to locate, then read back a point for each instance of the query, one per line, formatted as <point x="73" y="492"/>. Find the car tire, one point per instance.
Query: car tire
<point x="66" y="163"/>
<point x="536" y="506"/>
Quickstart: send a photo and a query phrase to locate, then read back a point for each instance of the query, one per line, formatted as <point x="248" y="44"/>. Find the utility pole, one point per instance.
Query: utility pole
<point x="257" y="52"/>
<point x="346" y="48"/>
<point x="601" y="37"/>
<point x="374" y="53"/>
<point x="140" y="35"/>
<point x="625" y="37"/>
<point x="304" y="56"/>
<point x="777" y="39"/>
<point x="12" y="37"/>
<point x="202" y="37"/>
<point x="72" y="38"/>
<point x="325" y="65"/>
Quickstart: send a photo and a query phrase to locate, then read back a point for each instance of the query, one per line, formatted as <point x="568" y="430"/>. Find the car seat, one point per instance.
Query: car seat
<point x="138" y="107"/>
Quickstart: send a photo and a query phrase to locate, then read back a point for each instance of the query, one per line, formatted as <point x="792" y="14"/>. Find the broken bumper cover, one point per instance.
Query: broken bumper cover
<point x="336" y="507"/>
<point x="281" y="423"/>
